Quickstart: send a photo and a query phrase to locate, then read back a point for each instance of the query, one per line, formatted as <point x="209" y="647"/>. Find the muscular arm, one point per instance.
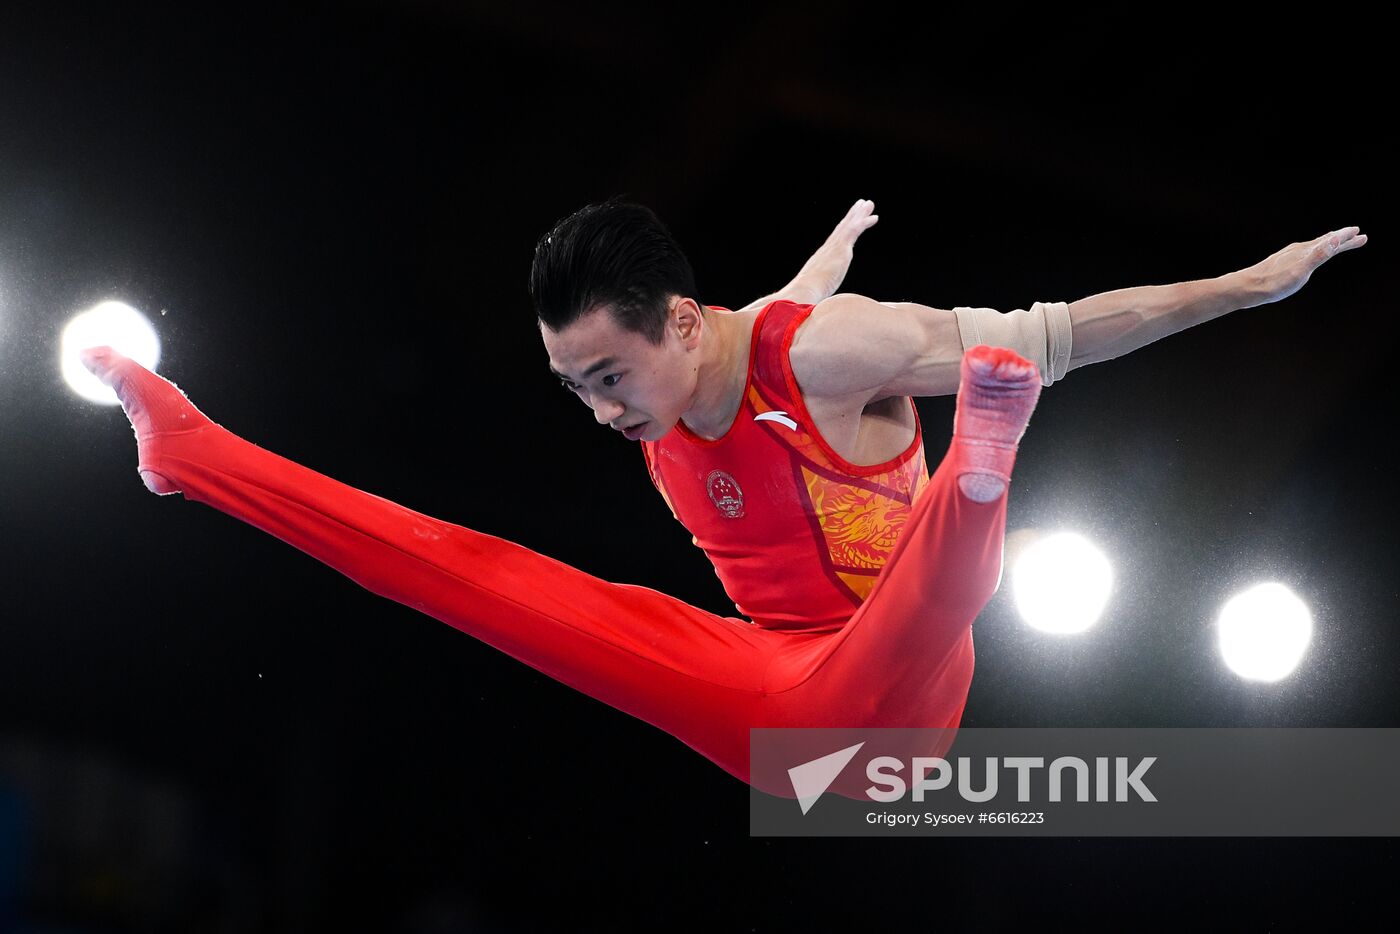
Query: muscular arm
<point x="824" y="271"/>
<point x="1113" y="323"/>
<point x="855" y="348"/>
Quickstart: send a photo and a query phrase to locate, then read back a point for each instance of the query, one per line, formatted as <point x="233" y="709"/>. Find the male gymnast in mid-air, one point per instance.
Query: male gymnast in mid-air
<point x="783" y="436"/>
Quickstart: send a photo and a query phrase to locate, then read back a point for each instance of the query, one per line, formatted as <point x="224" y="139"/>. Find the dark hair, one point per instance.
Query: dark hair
<point x="617" y="254"/>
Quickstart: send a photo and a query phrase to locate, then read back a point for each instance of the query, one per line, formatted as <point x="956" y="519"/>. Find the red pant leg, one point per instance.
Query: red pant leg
<point x="695" y="675"/>
<point x="905" y="658"/>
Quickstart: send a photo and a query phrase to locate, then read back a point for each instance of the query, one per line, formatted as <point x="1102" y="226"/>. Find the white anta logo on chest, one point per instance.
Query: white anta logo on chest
<point x="779" y="417"/>
<point x="725" y="494"/>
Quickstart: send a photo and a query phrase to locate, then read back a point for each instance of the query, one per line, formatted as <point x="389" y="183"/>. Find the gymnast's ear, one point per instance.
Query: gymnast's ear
<point x="686" y="320"/>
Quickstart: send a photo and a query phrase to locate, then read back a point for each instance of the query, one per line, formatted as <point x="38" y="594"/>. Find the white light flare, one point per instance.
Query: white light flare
<point x="1061" y="584"/>
<point x="116" y="325"/>
<point x="1264" y="632"/>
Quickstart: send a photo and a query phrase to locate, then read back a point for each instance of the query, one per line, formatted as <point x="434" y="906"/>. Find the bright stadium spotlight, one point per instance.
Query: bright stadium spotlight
<point x="1061" y="583"/>
<point x="1264" y="632"/>
<point x="116" y="325"/>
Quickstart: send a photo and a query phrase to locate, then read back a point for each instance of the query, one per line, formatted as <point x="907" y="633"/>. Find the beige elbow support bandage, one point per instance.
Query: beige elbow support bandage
<point x="1041" y="335"/>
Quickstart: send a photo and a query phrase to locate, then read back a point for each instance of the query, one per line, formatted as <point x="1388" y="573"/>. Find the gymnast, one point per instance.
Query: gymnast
<point x="782" y="435"/>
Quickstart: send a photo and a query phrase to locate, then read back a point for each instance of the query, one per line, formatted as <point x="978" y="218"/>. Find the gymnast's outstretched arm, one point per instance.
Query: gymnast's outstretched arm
<point x="871" y="350"/>
<point x="1111" y="324"/>
<point x="824" y="271"/>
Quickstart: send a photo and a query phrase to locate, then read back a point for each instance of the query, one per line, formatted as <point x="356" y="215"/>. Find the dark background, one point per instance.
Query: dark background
<point x="329" y="214"/>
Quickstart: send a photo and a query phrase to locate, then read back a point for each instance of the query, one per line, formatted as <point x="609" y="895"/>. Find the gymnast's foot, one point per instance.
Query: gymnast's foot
<point x="154" y="405"/>
<point x="996" y="396"/>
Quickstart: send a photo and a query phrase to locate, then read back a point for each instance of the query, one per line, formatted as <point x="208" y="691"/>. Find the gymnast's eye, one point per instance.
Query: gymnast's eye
<point x="613" y="376"/>
<point x="568" y="385"/>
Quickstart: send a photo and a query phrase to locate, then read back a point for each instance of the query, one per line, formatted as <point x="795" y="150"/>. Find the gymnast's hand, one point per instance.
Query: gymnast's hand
<point x="823" y="273"/>
<point x="1286" y="271"/>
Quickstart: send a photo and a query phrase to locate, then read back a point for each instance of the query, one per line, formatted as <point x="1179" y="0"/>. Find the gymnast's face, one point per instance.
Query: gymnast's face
<point x="625" y="379"/>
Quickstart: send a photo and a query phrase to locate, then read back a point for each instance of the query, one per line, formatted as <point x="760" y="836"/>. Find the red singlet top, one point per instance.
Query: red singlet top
<point x="796" y="533"/>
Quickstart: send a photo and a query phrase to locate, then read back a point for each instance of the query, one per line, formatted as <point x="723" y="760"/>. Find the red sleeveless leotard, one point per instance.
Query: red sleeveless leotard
<point x="797" y="534"/>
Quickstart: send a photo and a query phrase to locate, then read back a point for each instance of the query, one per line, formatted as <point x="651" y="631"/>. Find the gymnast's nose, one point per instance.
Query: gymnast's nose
<point x="606" y="411"/>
